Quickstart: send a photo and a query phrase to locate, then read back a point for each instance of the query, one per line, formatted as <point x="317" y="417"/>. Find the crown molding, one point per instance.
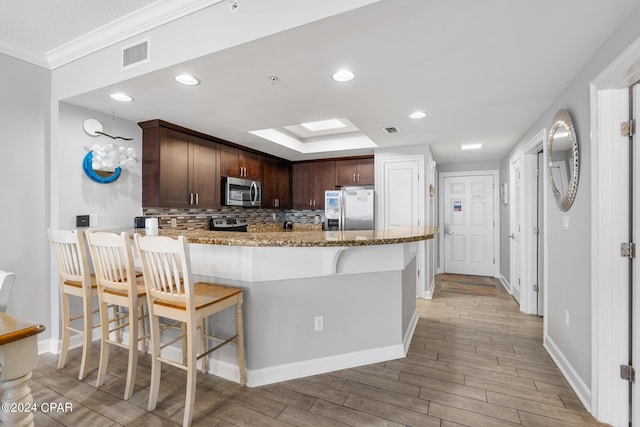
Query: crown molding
<point x="131" y="25"/>
<point x="16" y="50"/>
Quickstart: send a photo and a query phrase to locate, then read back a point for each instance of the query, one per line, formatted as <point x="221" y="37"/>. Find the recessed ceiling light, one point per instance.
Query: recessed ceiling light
<point x="468" y="147"/>
<point x="323" y="125"/>
<point x="187" y="79"/>
<point x="418" y="115"/>
<point x="342" y="76"/>
<point x="121" y="97"/>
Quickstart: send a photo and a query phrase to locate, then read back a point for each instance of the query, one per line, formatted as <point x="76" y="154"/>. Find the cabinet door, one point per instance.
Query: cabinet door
<point x="252" y="165"/>
<point x="204" y="174"/>
<point x="174" y="169"/>
<point x="303" y="184"/>
<point x="325" y="179"/>
<point x="346" y="172"/>
<point x="269" y="186"/>
<point x="282" y="178"/>
<point x="365" y="172"/>
<point x="230" y="162"/>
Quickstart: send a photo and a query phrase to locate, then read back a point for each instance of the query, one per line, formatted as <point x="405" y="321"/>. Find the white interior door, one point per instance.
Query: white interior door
<point x="401" y="193"/>
<point x="516" y="227"/>
<point x="469" y="225"/>
<point x="539" y="253"/>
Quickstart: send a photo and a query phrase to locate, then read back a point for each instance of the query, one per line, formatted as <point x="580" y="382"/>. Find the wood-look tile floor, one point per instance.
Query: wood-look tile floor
<point x="474" y="361"/>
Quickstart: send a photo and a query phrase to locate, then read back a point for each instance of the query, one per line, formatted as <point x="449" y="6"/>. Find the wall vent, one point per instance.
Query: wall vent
<point x="391" y="130"/>
<point x="135" y="55"/>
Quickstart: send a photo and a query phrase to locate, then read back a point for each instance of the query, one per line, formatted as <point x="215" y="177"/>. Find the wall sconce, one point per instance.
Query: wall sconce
<point x="105" y="160"/>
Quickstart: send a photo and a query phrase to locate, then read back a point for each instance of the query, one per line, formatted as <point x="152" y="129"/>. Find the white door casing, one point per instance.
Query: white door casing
<point x="635" y="343"/>
<point x="469" y="224"/>
<point x="524" y="176"/>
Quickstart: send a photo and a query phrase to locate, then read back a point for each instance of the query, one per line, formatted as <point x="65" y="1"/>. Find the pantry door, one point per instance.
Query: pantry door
<point x="469" y="224"/>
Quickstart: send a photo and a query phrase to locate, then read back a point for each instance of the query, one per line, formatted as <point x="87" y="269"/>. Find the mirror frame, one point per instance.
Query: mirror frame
<point x="562" y="118"/>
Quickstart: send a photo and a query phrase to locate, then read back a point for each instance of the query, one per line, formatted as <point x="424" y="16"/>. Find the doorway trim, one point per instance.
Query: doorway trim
<point x="529" y="164"/>
<point x="496" y="213"/>
<point x="609" y="318"/>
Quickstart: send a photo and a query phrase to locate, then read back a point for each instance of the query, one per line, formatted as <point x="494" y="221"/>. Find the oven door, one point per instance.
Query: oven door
<point x="242" y="192"/>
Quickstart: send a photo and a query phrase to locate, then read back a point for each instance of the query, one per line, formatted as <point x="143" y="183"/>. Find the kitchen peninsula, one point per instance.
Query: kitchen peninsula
<point x="315" y="301"/>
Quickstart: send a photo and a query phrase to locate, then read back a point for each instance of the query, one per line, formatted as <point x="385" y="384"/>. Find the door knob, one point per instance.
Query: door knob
<point x="512" y="236"/>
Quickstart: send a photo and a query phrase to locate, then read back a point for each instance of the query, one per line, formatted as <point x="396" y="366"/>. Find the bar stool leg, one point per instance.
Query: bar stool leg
<point x="62" y="360"/>
<point x="239" y="329"/>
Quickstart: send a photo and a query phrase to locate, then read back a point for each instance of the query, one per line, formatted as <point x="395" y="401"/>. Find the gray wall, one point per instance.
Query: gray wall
<point x="569" y="252"/>
<point x="468" y="167"/>
<point x="24" y="152"/>
<point x="116" y="203"/>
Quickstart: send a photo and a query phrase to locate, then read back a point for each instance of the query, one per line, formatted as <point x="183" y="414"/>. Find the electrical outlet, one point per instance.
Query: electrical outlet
<point x="566" y="318"/>
<point x="174" y="223"/>
<point x="319" y="324"/>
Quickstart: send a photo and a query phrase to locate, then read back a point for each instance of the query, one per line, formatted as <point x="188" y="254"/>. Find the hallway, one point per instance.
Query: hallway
<point x="474" y="360"/>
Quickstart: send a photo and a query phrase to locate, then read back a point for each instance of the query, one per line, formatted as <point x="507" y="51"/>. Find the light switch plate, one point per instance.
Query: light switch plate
<point x="565" y="222"/>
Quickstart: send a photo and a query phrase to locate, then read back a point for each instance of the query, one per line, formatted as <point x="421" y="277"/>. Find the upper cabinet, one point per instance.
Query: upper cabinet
<point x="178" y="170"/>
<point x="310" y="180"/>
<point x="354" y="172"/>
<point x="182" y="168"/>
<point x="239" y="163"/>
<point x="276" y="184"/>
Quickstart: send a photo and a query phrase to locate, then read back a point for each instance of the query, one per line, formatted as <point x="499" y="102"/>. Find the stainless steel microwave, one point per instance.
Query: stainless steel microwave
<point x="241" y="192"/>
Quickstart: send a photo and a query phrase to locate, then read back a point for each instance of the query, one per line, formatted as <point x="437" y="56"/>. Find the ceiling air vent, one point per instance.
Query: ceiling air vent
<point x="391" y="130"/>
<point x="135" y="55"/>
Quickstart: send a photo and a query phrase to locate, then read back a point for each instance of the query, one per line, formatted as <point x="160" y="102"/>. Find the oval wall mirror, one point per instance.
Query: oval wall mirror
<point x="563" y="160"/>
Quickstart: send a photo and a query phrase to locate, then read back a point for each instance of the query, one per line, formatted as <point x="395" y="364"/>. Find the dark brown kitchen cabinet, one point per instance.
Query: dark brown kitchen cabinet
<point x="178" y="170"/>
<point x="238" y="163"/>
<point x="310" y="180"/>
<point x="354" y="172"/>
<point x="276" y="187"/>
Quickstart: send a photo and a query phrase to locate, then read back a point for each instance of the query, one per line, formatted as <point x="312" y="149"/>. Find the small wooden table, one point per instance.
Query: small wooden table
<point x="18" y="358"/>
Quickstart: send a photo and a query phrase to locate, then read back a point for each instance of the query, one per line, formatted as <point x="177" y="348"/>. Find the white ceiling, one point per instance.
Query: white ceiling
<point x="483" y="71"/>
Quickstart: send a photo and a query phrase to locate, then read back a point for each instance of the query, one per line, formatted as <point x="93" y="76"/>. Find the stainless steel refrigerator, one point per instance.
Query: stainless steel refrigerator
<point x="350" y="208"/>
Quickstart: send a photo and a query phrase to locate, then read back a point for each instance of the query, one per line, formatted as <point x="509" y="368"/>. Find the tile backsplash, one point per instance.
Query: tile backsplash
<point x="193" y="219"/>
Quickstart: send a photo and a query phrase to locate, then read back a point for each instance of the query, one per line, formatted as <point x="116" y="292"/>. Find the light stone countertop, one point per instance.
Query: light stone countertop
<point x="276" y="237"/>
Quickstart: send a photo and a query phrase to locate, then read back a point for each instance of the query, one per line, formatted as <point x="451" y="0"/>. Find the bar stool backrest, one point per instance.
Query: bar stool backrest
<point x="166" y="269"/>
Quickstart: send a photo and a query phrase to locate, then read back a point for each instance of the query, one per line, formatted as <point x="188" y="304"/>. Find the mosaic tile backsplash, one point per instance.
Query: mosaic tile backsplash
<point x="194" y="219"/>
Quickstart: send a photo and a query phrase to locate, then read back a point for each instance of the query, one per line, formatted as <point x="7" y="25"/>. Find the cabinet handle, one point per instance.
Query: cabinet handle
<point x="358" y="177"/>
<point x="197" y="199"/>
<point x="190" y="198"/>
<point x="354" y="177"/>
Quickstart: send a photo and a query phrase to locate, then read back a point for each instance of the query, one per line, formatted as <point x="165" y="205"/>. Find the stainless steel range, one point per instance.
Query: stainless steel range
<point x="228" y="224"/>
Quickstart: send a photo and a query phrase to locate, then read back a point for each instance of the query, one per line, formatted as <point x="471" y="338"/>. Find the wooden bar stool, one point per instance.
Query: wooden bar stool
<point x="172" y="294"/>
<point x="74" y="279"/>
<point x="118" y="286"/>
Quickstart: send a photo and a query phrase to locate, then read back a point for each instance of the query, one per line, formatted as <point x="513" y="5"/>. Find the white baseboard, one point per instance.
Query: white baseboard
<point x="53" y="346"/>
<point x="577" y="384"/>
<point x="505" y="283"/>
<point x="322" y="365"/>
<point x="406" y="341"/>
<point x="429" y="292"/>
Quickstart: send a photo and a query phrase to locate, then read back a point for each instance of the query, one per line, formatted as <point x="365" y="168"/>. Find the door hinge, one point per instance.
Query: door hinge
<point x="628" y="128"/>
<point x="627" y="373"/>
<point x="494" y="260"/>
<point x="536" y="230"/>
<point x="536" y="173"/>
<point x="628" y="250"/>
<point x="536" y="288"/>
